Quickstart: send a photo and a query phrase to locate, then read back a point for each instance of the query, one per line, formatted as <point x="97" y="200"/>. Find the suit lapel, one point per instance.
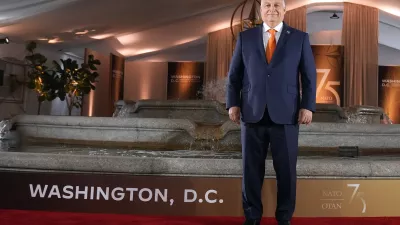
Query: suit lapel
<point x="286" y="31"/>
<point x="260" y="42"/>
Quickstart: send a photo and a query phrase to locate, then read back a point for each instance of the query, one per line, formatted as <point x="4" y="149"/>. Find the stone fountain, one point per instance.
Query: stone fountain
<point x="202" y="125"/>
<point x="159" y="144"/>
<point x="5" y="127"/>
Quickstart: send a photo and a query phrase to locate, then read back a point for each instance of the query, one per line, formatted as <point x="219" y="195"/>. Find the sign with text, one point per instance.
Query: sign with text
<point x="189" y="196"/>
<point x="329" y="63"/>
<point x="389" y="91"/>
<point x="185" y="80"/>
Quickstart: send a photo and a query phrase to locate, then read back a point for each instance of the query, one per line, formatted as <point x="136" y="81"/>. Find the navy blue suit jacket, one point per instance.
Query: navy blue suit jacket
<point x="254" y="84"/>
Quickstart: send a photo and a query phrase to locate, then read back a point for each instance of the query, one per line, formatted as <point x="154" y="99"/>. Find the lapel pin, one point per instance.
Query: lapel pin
<point x="288" y="32"/>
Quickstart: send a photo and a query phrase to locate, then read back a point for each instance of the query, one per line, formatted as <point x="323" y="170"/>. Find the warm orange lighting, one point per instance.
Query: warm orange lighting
<point x="145" y="84"/>
<point x="82" y="32"/>
<point x="128" y="39"/>
<point x="187" y="40"/>
<point x="390" y="90"/>
<point x="132" y="51"/>
<point x="101" y="36"/>
<point x="185" y="69"/>
<point x="128" y="51"/>
<point x="220" y="26"/>
<point x="147" y="50"/>
<point x="55" y="40"/>
<point x="91" y="102"/>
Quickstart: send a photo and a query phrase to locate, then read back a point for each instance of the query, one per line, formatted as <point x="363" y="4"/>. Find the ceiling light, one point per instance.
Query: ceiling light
<point x="55" y="40"/>
<point x="128" y="51"/>
<point x="128" y="38"/>
<point x="4" y="40"/>
<point x="132" y="52"/>
<point x="101" y="36"/>
<point x="82" y="32"/>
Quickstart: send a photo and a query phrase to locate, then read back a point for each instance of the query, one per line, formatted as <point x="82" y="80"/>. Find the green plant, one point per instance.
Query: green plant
<point x="67" y="80"/>
<point x="40" y="79"/>
<point x="77" y="81"/>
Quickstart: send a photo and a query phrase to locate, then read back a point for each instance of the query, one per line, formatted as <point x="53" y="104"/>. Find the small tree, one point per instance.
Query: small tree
<point x="77" y="81"/>
<point x="67" y="81"/>
<point x="40" y="79"/>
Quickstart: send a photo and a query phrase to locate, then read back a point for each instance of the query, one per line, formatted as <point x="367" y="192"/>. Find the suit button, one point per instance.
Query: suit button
<point x="268" y="75"/>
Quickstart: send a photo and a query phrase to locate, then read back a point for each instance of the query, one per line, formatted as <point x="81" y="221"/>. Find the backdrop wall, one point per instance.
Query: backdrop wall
<point x="145" y="80"/>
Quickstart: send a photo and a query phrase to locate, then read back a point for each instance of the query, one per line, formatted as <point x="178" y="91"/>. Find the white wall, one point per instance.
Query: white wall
<point x="30" y="104"/>
<point x="320" y="21"/>
<point x="324" y="30"/>
<point x="326" y="37"/>
<point x="389" y="56"/>
<point x="389" y="30"/>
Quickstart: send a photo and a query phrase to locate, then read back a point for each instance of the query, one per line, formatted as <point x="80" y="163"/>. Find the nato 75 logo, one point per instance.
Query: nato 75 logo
<point x="358" y="195"/>
<point x="328" y="85"/>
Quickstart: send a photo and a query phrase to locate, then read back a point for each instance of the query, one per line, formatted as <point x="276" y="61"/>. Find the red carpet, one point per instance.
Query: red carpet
<point x="15" y="217"/>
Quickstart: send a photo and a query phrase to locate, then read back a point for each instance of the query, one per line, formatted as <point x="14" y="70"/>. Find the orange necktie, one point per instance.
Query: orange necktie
<point x="269" y="50"/>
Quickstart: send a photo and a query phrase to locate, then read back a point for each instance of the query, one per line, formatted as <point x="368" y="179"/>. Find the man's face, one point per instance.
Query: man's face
<point x="272" y="11"/>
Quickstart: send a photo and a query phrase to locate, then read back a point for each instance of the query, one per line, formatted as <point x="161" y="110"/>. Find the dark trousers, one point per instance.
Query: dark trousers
<point x="283" y="139"/>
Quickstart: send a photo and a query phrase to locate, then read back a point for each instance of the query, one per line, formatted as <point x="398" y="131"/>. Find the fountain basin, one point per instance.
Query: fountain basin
<point x="160" y="163"/>
<point x="190" y="186"/>
<point x="202" y="163"/>
<point x="172" y="134"/>
<point x="198" y="111"/>
<point x="214" y="112"/>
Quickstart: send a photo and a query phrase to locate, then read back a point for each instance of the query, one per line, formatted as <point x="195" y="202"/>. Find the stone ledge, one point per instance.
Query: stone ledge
<point x="103" y="122"/>
<point x="182" y="133"/>
<point x="78" y="129"/>
<point x="179" y="105"/>
<point x="199" y="111"/>
<point x="367" y="167"/>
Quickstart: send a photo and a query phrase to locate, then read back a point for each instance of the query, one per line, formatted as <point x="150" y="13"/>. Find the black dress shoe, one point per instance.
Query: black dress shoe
<point x="283" y="223"/>
<point x="251" y="222"/>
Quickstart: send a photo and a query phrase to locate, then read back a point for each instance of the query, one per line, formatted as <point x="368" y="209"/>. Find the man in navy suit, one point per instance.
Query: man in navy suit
<point x="263" y="92"/>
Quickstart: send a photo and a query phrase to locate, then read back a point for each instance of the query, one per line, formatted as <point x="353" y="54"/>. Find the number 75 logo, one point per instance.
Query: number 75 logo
<point x="328" y="85"/>
<point x="359" y="196"/>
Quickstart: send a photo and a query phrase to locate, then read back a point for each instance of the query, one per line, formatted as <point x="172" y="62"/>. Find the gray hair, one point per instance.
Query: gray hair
<point x="284" y="3"/>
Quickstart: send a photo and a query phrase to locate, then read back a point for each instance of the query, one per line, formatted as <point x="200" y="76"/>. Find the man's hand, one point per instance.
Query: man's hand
<point x="305" y="116"/>
<point x="234" y="114"/>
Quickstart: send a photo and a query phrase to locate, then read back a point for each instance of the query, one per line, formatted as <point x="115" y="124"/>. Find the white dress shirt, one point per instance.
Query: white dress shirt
<point x="267" y="35"/>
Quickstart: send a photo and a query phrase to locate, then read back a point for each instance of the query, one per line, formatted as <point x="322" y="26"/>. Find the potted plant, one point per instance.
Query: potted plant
<point x="40" y="79"/>
<point x="76" y="80"/>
